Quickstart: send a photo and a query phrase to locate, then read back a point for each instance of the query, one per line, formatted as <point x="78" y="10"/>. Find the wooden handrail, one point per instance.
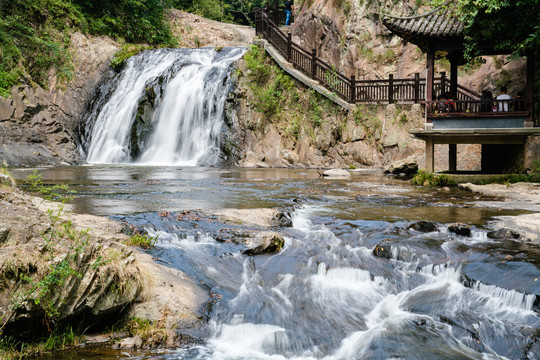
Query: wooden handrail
<point x="350" y="89"/>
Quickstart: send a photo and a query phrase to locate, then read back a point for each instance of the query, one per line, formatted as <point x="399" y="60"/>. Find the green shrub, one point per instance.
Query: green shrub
<point x="424" y="178"/>
<point x="127" y="51"/>
<point x="143" y="241"/>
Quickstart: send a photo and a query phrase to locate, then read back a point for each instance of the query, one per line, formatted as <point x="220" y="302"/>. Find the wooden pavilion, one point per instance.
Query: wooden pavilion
<point x="509" y="138"/>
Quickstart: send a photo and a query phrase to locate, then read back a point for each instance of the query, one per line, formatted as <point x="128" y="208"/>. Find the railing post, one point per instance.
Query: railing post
<point x="416" y="87"/>
<point x="353" y="90"/>
<point x="276" y="14"/>
<point x="268" y="30"/>
<point x="289" y="46"/>
<point x="443" y="82"/>
<point x="390" y="88"/>
<point x="313" y="63"/>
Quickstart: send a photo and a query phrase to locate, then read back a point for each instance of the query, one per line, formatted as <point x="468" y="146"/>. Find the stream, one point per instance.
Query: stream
<point x="325" y="295"/>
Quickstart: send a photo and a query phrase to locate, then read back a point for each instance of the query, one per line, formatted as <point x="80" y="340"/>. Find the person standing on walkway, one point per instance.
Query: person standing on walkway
<point x="289" y="7"/>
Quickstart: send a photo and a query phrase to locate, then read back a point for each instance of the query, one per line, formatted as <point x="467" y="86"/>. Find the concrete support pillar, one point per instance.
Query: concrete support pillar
<point x="430" y="154"/>
<point x="452" y="157"/>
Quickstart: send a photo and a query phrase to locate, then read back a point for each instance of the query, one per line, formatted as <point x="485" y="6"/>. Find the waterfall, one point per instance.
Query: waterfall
<point x="166" y="108"/>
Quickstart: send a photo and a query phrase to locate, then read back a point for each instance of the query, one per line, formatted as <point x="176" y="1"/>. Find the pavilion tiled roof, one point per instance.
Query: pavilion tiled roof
<point x="440" y="23"/>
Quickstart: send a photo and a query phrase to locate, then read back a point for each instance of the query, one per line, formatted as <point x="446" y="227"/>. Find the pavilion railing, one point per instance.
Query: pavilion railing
<point x="478" y="108"/>
<point x="348" y="88"/>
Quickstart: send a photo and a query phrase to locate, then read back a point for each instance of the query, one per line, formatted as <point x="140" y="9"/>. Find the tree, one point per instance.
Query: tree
<point x="512" y="26"/>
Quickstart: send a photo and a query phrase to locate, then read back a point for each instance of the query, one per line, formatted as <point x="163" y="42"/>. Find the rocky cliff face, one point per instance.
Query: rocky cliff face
<point x="309" y="130"/>
<point x="349" y="35"/>
<point x="38" y="126"/>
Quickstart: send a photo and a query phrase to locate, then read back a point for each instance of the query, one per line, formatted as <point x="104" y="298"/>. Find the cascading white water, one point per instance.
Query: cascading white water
<point x="188" y="120"/>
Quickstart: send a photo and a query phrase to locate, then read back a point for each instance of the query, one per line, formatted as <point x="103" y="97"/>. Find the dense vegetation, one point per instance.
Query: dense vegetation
<point x="511" y="25"/>
<point x="35" y="34"/>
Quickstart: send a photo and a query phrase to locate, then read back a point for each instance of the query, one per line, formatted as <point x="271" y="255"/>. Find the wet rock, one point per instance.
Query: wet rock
<point x="336" y="174"/>
<point x="383" y="249"/>
<point x="4" y="235"/>
<point x="423" y="226"/>
<point x="406" y="166"/>
<point x="266" y="242"/>
<point x="460" y="229"/>
<point x="131" y="343"/>
<point x="260" y="217"/>
<point x="504" y="234"/>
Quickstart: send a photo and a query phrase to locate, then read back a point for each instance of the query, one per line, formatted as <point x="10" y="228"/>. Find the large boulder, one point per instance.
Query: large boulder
<point x="404" y="166"/>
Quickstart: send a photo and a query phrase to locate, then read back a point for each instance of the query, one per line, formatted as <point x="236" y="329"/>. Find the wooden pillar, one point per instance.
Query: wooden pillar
<point x="430" y="75"/>
<point x="416" y="87"/>
<point x="313" y="63"/>
<point x="452" y="157"/>
<point x="289" y="46"/>
<point x="454" y="76"/>
<point x="430" y="154"/>
<point x="353" y="90"/>
<point x="390" y="88"/>
<point x="530" y="87"/>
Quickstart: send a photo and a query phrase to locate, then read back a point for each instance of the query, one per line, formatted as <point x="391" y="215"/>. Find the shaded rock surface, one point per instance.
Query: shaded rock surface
<point x="39" y="126"/>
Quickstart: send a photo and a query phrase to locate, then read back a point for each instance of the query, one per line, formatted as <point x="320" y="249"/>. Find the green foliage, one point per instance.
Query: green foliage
<point x="127" y="51"/>
<point x="135" y="21"/>
<point x="143" y="241"/>
<point x="511" y="25"/>
<point x="277" y="85"/>
<point x="54" y="192"/>
<point x="424" y="178"/>
<point x="34" y="39"/>
<point x="237" y="11"/>
<point x="35" y="34"/>
<point x="11" y="349"/>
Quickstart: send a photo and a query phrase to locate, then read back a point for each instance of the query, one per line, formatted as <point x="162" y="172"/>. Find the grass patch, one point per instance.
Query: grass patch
<point x="11" y="349"/>
<point x="143" y="241"/>
<point x="127" y="51"/>
<point x="424" y="178"/>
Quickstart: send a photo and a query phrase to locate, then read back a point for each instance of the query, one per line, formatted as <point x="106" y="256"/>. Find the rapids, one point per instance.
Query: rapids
<point x="325" y="296"/>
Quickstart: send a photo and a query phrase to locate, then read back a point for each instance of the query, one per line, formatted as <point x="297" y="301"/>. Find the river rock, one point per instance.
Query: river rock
<point x="131" y="343"/>
<point x="383" y="249"/>
<point x="504" y="234"/>
<point x="259" y="217"/>
<point x="423" y="226"/>
<point x="265" y="242"/>
<point x="406" y="166"/>
<point x="6" y="180"/>
<point x="460" y="229"/>
<point x="336" y="174"/>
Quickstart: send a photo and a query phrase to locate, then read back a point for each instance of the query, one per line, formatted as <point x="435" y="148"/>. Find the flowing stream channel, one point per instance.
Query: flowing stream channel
<point x="325" y="295"/>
